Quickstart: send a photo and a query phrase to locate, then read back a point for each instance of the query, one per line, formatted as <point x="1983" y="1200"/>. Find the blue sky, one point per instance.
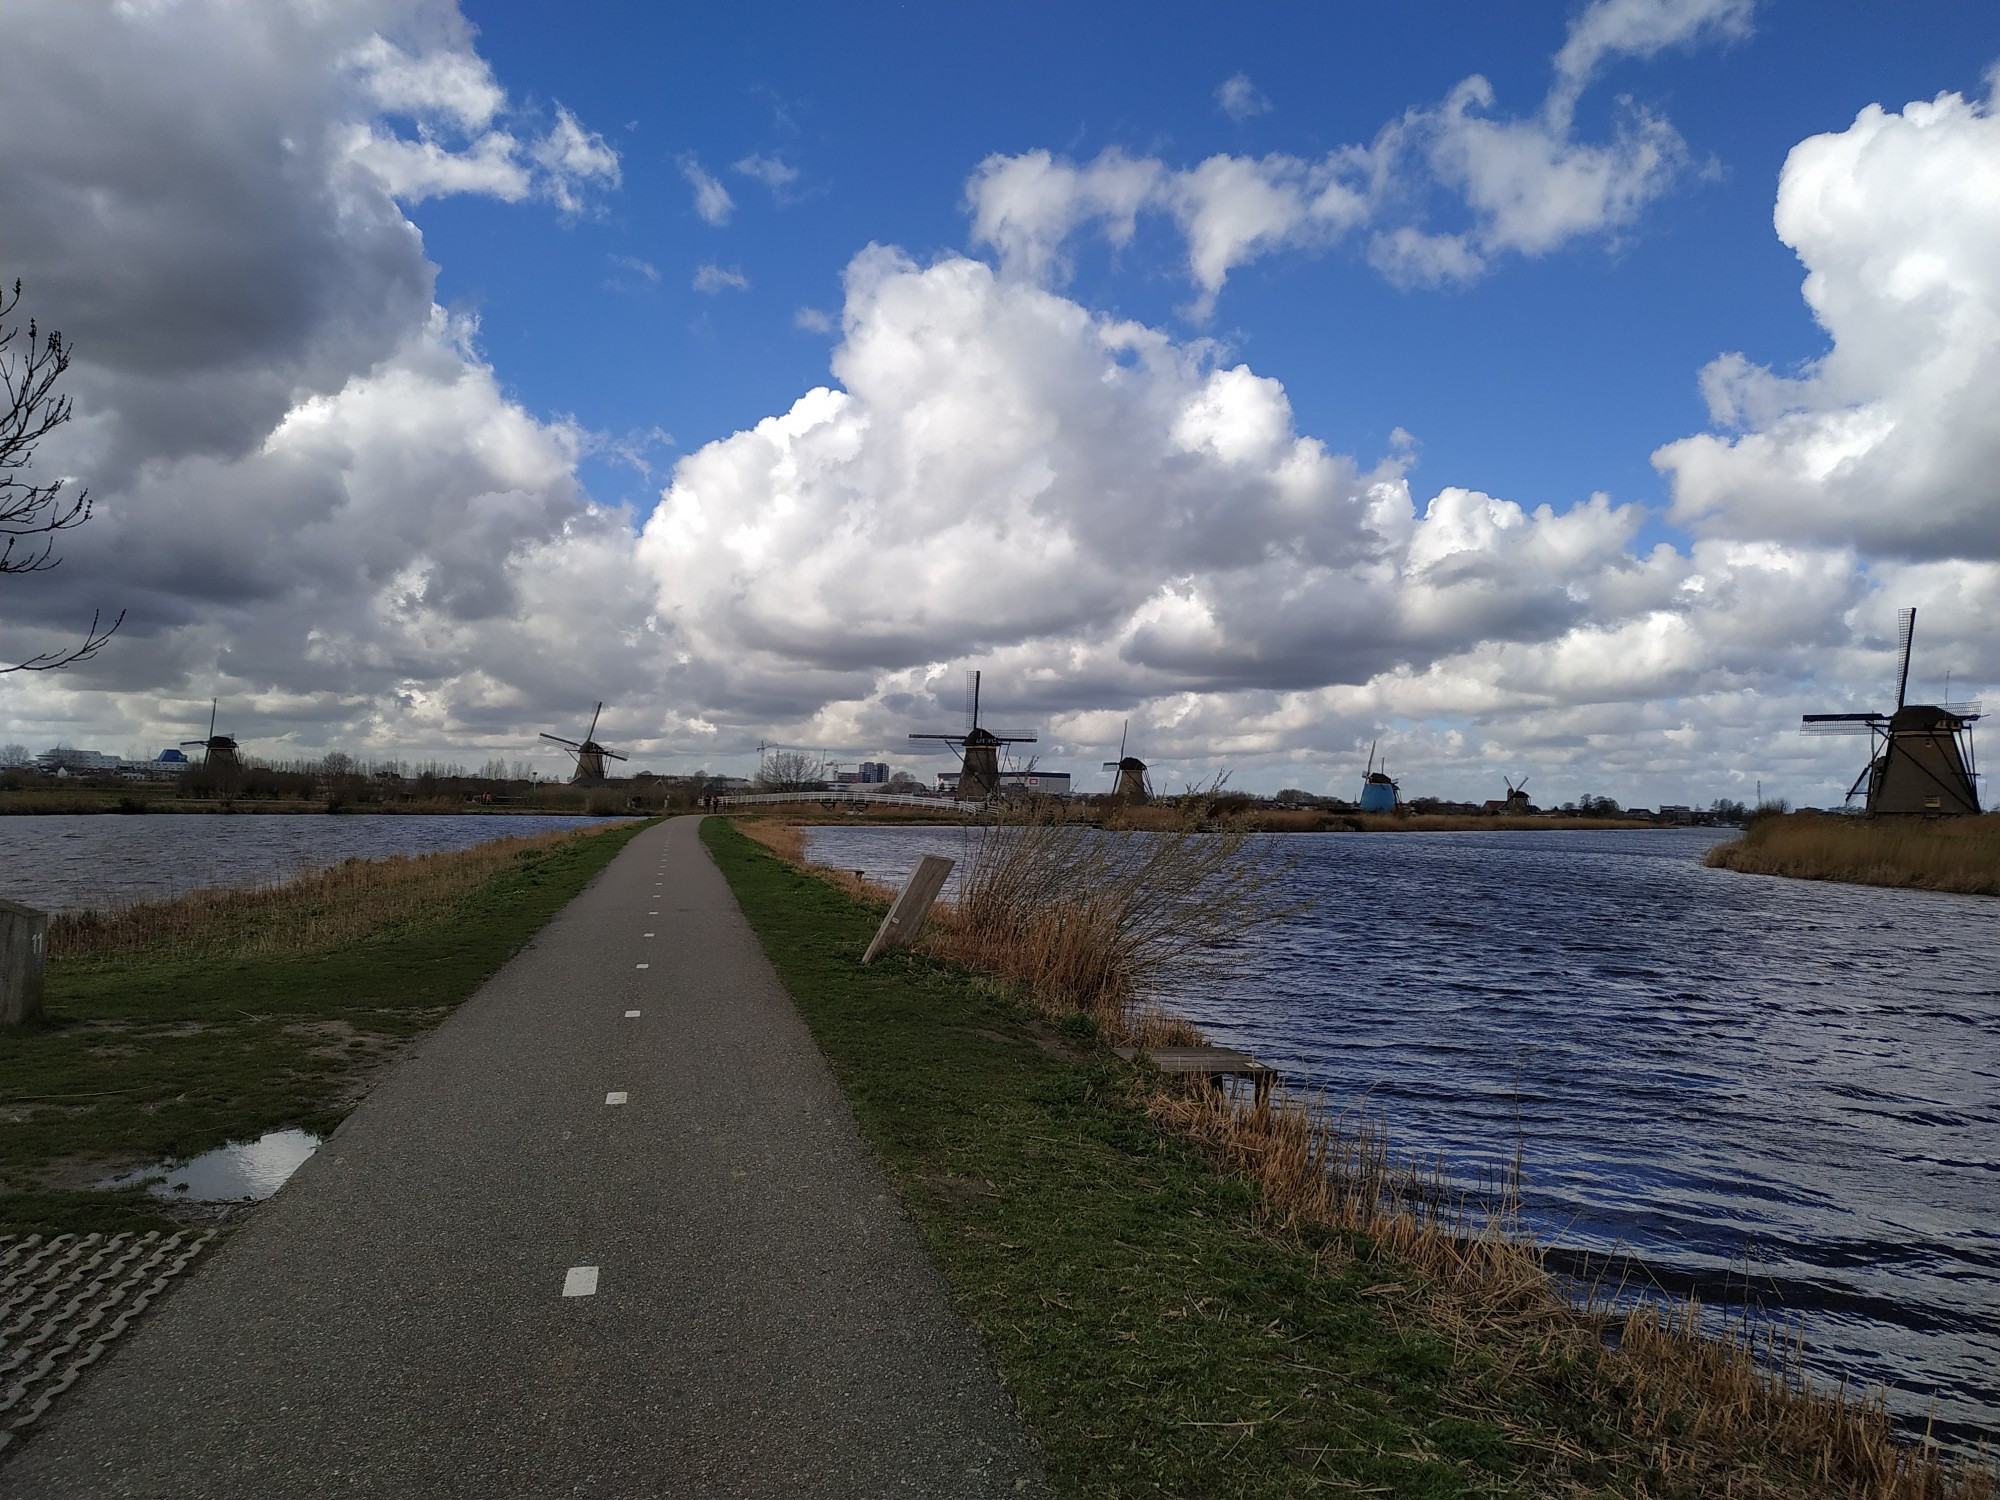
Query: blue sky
<point x="446" y="365"/>
<point x="1543" y="382"/>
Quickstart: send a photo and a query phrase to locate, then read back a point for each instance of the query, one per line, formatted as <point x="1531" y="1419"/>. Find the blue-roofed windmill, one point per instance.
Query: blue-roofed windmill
<point x="1378" y="792"/>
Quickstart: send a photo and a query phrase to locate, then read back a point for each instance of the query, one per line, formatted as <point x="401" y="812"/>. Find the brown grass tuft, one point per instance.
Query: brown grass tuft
<point x="1728" y="1414"/>
<point x="345" y="903"/>
<point x="1937" y="854"/>
<point x="1095" y="920"/>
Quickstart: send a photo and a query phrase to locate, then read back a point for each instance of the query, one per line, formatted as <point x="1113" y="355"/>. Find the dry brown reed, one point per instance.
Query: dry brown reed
<point x="1727" y="1412"/>
<point x="1094" y="920"/>
<point x="1938" y="854"/>
<point x="346" y="903"/>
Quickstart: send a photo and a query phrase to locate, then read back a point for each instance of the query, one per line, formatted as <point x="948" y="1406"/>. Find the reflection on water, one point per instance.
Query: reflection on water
<point x="74" y="862"/>
<point x="1739" y="1081"/>
<point x="229" y="1174"/>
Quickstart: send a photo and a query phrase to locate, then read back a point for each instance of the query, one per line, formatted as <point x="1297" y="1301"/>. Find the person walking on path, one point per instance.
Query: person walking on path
<point x="610" y="1231"/>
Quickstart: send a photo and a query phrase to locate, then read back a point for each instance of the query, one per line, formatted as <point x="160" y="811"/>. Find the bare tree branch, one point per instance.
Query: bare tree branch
<point x="31" y="514"/>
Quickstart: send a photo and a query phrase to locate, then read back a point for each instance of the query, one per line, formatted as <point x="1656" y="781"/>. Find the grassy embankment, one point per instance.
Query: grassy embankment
<point x="1189" y="1297"/>
<point x="176" y="1026"/>
<point x="1937" y="854"/>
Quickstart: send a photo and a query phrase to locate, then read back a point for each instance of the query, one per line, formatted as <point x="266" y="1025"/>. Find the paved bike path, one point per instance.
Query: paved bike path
<point x="765" y="1321"/>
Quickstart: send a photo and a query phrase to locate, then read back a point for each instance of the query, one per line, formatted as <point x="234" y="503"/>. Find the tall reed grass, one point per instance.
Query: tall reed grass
<point x="1101" y="921"/>
<point x="345" y="903"/>
<point x="1938" y="854"/>
<point x="1721" y="1410"/>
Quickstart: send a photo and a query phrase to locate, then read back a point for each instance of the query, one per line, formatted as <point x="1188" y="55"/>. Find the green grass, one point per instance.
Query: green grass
<point x="143" y="1059"/>
<point x="1159" y="1336"/>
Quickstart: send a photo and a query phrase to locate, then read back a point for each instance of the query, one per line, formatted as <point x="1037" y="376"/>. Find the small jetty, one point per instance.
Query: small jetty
<point x="1216" y="1064"/>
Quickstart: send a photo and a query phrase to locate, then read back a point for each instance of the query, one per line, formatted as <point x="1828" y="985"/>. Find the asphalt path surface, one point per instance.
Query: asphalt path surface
<point x="764" y="1321"/>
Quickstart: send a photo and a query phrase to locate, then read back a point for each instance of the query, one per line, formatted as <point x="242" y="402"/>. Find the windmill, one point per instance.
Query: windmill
<point x="218" y="750"/>
<point x="590" y="756"/>
<point x="978" y="751"/>
<point x="1517" y="795"/>
<point x="1378" y="792"/>
<point x="1920" y="758"/>
<point x="1133" y="787"/>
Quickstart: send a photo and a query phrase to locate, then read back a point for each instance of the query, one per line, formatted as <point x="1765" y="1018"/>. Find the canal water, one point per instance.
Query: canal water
<point x="1775" y="1092"/>
<point x="105" y="861"/>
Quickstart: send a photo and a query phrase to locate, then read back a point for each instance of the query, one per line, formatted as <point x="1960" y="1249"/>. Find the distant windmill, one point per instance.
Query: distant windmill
<point x="978" y="751"/>
<point x="590" y="756"/>
<point x="1378" y="792"/>
<point x="218" y="750"/>
<point x="1517" y="794"/>
<point x="1920" y="757"/>
<point x="1133" y="787"/>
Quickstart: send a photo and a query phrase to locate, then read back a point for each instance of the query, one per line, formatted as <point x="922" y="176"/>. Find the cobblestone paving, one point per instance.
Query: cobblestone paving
<point x="63" y="1300"/>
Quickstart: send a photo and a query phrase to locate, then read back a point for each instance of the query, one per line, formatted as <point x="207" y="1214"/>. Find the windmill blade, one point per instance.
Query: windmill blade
<point x="193" y="742"/>
<point x="1014" y="739"/>
<point x="1123" y="729"/>
<point x="1968" y="710"/>
<point x="566" y="744"/>
<point x="1859" y="724"/>
<point x="591" y="733"/>
<point x="611" y="755"/>
<point x="1112" y="765"/>
<point x="954" y="739"/>
<point x="212" y="704"/>
<point x="1906" y="630"/>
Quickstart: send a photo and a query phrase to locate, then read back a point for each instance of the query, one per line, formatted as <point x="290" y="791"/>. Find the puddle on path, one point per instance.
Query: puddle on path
<point x="241" y="1170"/>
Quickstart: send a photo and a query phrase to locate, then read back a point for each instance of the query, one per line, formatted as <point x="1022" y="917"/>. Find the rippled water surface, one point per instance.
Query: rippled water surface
<point x="1734" y="1079"/>
<point x="70" y="863"/>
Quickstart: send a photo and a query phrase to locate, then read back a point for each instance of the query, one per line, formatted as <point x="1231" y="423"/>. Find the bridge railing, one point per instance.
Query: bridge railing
<point x="850" y="797"/>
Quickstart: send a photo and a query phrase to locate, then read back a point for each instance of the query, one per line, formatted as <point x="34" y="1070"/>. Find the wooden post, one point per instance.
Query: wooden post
<point x="24" y="941"/>
<point x="899" y="928"/>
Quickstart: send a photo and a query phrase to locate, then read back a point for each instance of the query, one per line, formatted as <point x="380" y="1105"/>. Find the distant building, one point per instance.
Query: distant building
<point x="874" y="771"/>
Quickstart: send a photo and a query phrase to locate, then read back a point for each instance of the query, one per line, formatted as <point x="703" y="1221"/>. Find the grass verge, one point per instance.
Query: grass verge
<point x="1170" y="1330"/>
<point x="1936" y="854"/>
<point x="179" y="1027"/>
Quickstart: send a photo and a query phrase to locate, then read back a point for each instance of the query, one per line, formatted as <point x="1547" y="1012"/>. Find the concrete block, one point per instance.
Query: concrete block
<point x="24" y="945"/>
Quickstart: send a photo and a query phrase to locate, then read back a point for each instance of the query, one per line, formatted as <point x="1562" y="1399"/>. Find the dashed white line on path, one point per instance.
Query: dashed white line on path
<point x="649" y="934"/>
<point x="630" y="1014"/>
<point x="580" y="1281"/>
<point x="616" y="1096"/>
<point x="645" y="966"/>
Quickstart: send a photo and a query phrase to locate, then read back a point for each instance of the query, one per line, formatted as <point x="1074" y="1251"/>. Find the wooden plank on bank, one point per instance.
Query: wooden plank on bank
<point x="1212" y="1063"/>
<point x="913" y="904"/>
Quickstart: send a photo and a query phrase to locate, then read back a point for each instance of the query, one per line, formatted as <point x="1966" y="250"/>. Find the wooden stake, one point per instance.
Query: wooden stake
<point x="899" y="928"/>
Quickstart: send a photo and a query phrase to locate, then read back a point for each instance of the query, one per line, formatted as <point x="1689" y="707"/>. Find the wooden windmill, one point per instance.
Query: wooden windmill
<point x="1921" y="754"/>
<point x="1133" y="786"/>
<point x="1517" y="795"/>
<point x="978" y="752"/>
<point x="218" y="750"/>
<point x="590" y="756"/>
